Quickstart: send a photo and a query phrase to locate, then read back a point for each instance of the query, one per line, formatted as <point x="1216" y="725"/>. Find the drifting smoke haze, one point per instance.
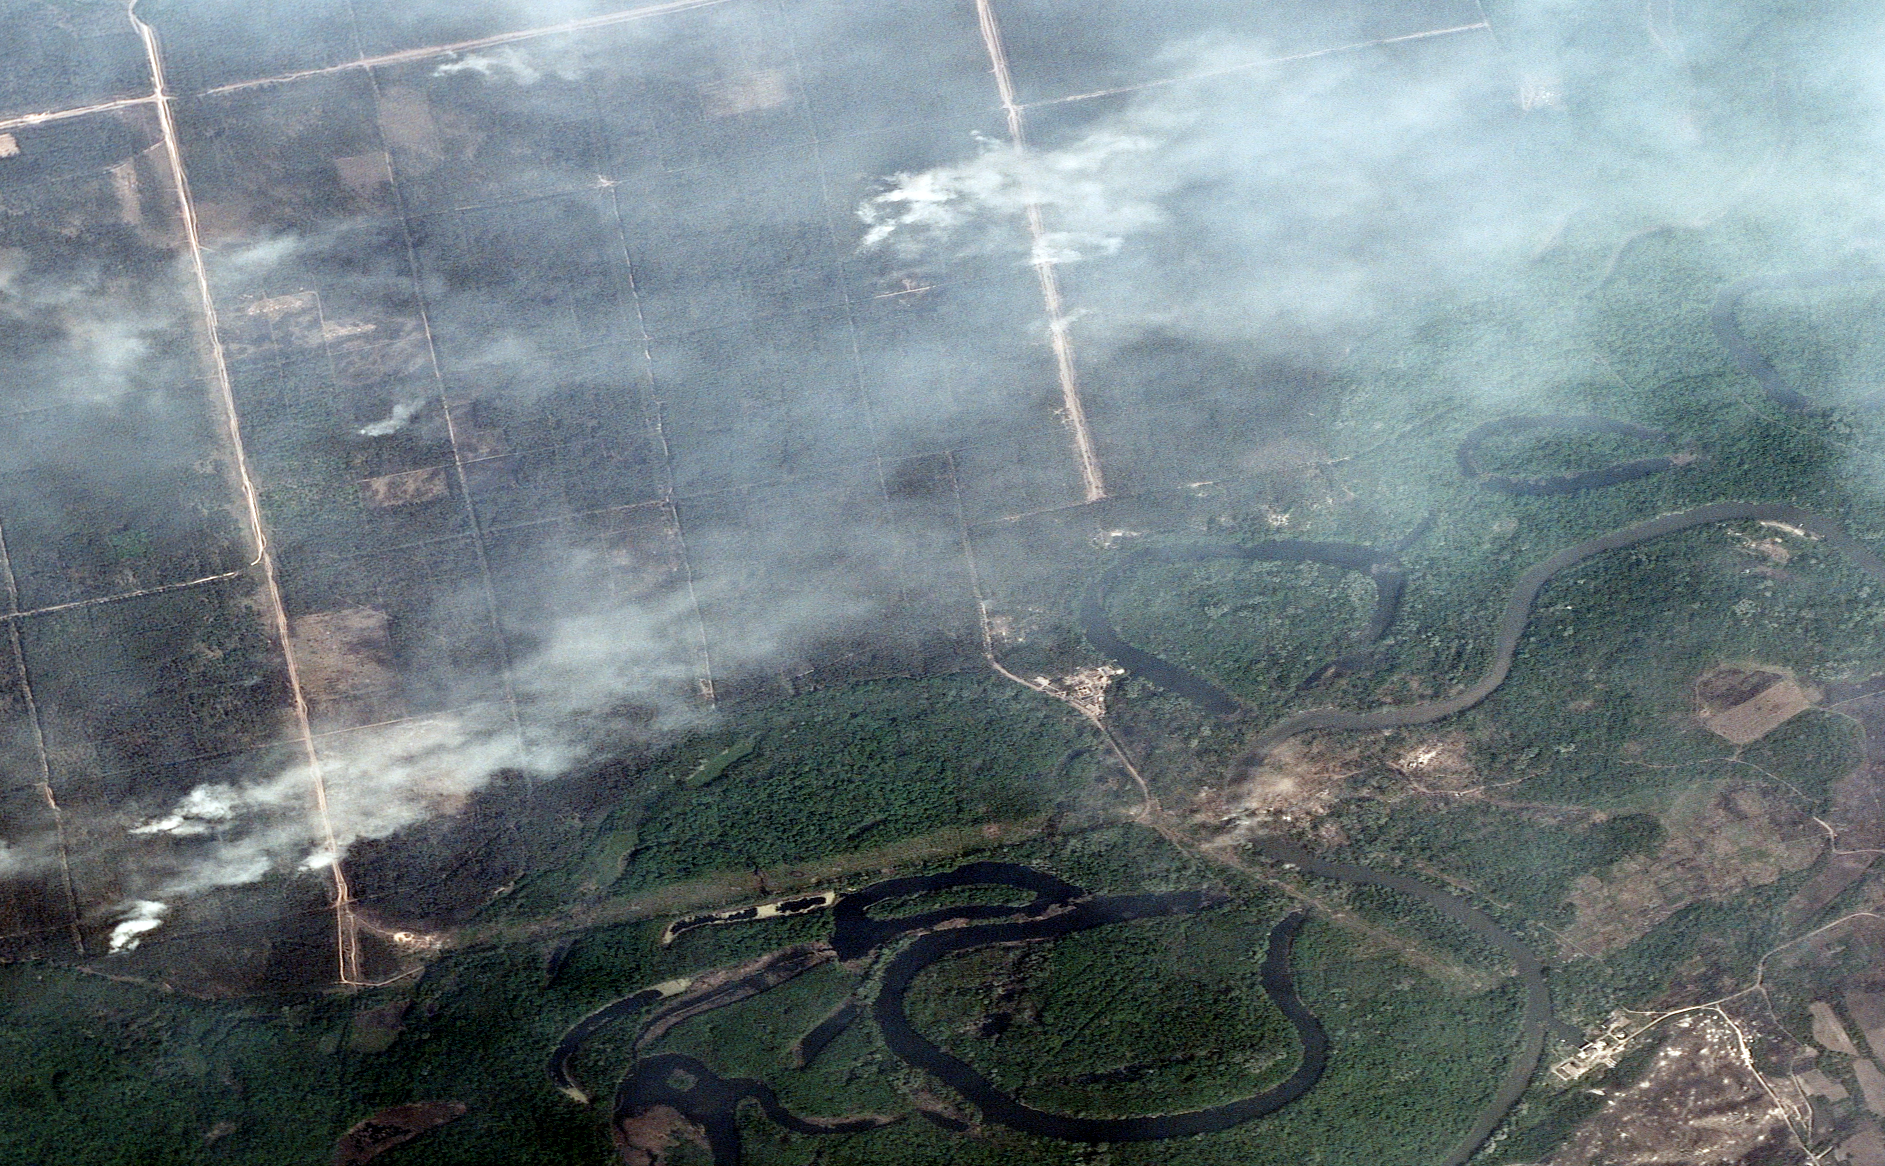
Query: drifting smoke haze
<point x="1293" y="205"/>
<point x="19" y="861"/>
<point x="592" y="651"/>
<point x="1347" y="193"/>
<point x="1105" y="188"/>
<point x="508" y="63"/>
<point x="1266" y="208"/>
<point x="592" y="666"/>
<point x="106" y="334"/>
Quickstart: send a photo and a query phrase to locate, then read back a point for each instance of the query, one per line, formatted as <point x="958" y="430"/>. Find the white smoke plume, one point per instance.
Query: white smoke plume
<point x="950" y="207"/>
<point x="1321" y="191"/>
<point x="385" y="780"/>
<point x="141" y="916"/>
<point x="201" y="811"/>
<point x="571" y="696"/>
<point x="401" y="415"/>
<point x="507" y="62"/>
<point x="250" y="259"/>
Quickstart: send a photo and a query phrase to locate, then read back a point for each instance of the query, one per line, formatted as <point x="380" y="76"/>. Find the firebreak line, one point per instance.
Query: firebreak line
<point x="346" y="935"/>
<point x="406" y="56"/>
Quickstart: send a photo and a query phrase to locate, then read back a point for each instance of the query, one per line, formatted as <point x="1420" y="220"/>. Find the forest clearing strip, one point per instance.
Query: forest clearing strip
<point x="729" y="888"/>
